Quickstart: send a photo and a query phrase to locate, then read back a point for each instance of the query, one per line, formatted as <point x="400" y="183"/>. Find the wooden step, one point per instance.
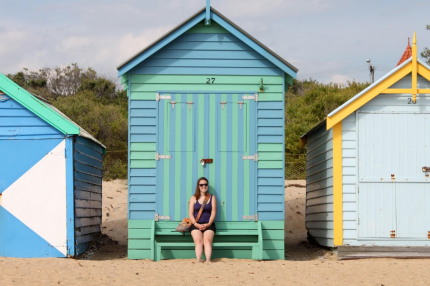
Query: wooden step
<point x="353" y="252"/>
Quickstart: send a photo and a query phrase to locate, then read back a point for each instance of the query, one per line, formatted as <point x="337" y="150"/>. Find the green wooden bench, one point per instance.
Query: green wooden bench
<point x="239" y="234"/>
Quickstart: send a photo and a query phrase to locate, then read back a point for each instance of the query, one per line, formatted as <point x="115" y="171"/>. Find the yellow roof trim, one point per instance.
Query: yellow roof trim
<point x="423" y="71"/>
<point x="414" y="66"/>
<point x="369" y="95"/>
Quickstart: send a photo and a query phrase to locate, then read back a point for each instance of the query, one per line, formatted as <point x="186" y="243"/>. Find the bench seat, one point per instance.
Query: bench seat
<point x="248" y="232"/>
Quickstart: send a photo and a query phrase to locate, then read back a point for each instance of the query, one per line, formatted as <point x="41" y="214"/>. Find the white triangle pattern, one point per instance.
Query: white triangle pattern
<point x="38" y="198"/>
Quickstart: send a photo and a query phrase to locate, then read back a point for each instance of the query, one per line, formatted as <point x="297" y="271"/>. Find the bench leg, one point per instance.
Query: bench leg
<point x="257" y="253"/>
<point x="157" y="252"/>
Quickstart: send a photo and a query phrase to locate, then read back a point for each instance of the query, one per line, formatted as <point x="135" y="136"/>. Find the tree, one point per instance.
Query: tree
<point x="307" y="103"/>
<point x="426" y="52"/>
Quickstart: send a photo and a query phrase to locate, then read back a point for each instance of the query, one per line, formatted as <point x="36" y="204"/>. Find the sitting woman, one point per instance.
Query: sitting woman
<point x="202" y="212"/>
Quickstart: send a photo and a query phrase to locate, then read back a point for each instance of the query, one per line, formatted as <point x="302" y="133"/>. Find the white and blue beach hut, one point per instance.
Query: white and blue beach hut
<point x="368" y="167"/>
<point x="50" y="179"/>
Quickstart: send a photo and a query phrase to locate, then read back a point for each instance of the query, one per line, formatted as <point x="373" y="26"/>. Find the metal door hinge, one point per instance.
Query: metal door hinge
<point x="255" y="157"/>
<point x="158" y="97"/>
<point x="159" y="156"/>
<point x="158" y="217"/>
<point x="251" y="217"/>
<point x="254" y="97"/>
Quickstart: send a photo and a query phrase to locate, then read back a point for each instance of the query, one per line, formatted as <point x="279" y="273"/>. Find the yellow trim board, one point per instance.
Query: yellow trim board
<point x="405" y="90"/>
<point x="369" y="95"/>
<point x="337" y="186"/>
<point x="423" y="71"/>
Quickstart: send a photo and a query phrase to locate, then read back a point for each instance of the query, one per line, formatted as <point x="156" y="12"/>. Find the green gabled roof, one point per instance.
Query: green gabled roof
<point x="38" y="107"/>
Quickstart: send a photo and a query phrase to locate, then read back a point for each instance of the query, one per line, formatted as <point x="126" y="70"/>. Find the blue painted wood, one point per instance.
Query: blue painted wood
<point x="126" y="67"/>
<point x="17" y="121"/>
<point x="70" y="193"/>
<point x="18" y="156"/>
<point x="226" y="24"/>
<point x="214" y="57"/>
<point x="256" y="46"/>
<point x="20" y="241"/>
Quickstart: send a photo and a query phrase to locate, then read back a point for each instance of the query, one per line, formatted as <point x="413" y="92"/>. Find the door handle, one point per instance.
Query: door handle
<point x="206" y="161"/>
<point x="425" y="169"/>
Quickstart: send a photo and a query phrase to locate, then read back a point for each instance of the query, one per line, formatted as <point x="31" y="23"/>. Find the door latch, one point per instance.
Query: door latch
<point x="206" y="161"/>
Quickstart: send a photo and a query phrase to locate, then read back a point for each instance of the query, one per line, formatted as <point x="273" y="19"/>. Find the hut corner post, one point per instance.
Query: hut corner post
<point x="337" y="185"/>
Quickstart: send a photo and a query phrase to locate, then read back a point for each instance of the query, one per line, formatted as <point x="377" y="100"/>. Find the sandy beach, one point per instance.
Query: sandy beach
<point x="305" y="264"/>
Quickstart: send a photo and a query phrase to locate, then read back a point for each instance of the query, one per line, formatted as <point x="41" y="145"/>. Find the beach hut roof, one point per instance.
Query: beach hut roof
<point x="412" y="66"/>
<point x="208" y="15"/>
<point x="43" y="109"/>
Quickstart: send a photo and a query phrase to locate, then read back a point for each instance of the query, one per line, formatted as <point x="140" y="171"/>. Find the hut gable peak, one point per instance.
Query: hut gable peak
<point x="208" y="16"/>
<point x="410" y="67"/>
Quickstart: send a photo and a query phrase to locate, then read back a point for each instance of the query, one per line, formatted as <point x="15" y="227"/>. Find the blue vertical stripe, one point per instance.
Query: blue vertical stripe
<point x="240" y="141"/>
<point x="172" y="142"/>
<point x="228" y="131"/>
<point x="206" y="136"/>
<point x="70" y="203"/>
<point x="253" y="150"/>
<point x="184" y="174"/>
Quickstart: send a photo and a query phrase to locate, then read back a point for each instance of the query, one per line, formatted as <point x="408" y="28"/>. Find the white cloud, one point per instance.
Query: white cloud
<point x="340" y="78"/>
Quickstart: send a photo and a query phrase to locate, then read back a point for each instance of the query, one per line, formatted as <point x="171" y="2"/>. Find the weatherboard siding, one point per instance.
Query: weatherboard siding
<point x="319" y="186"/>
<point x="16" y="121"/>
<point x="349" y="178"/>
<point x="143" y="132"/>
<point x="202" y="52"/>
<point x="88" y="191"/>
<point x="210" y="62"/>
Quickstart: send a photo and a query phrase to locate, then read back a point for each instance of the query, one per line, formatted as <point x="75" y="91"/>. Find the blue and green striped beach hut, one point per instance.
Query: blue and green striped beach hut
<point x="206" y="90"/>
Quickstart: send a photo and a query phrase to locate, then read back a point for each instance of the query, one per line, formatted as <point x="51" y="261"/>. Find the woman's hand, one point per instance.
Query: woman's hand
<point x="201" y="226"/>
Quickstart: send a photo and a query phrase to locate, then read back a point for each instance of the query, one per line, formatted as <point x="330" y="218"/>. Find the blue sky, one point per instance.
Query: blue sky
<point x="327" y="40"/>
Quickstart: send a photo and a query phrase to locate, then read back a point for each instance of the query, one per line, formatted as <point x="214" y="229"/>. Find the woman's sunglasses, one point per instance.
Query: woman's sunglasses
<point x="203" y="185"/>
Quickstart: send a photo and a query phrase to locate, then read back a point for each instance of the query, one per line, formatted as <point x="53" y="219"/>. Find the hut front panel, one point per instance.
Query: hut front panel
<point x="87" y="192"/>
<point x="319" y="186"/>
<point x="208" y="60"/>
<point x="33" y="219"/>
<point x="33" y="207"/>
<point x="380" y="203"/>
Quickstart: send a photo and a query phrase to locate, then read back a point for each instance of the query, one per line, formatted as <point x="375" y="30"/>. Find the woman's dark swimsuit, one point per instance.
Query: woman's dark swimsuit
<point x="205" y="217"/>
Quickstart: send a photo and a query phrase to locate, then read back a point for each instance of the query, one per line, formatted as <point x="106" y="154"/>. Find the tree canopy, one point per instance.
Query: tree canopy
<point x="426" y="52"/>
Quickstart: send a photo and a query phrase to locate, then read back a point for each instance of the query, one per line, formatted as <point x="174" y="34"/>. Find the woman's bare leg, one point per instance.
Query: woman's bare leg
<point x="208" y="237"/>
<point x="198" y="243"/>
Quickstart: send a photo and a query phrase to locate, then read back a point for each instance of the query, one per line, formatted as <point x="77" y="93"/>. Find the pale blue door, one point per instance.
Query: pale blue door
<point x="394" y="190"/>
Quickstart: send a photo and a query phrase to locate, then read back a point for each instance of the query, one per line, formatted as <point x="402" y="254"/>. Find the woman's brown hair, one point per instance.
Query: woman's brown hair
<point x="197" y="193"/>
